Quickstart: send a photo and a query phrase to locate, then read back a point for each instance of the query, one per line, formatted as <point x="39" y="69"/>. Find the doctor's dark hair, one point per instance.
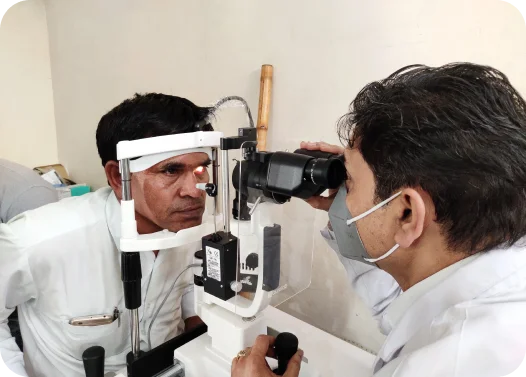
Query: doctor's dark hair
<point x="148" y="115"/>
<point x="458" y="132"/>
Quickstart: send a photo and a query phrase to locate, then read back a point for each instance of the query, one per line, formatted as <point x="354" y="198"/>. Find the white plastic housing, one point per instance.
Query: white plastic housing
<point x="168" y="143"/>
<point x="250" y="238"/>
<point x="229" y="332"/>
<point x="165" y="239"/>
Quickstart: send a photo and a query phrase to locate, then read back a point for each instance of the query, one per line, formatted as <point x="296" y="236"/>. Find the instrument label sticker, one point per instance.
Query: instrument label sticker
<point x="213" y="263"/>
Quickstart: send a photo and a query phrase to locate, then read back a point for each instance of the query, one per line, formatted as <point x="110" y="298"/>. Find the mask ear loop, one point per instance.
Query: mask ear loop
<point x="391" y="251"/>
<point x="354" y="219"/>
<point x="379" y="205"/>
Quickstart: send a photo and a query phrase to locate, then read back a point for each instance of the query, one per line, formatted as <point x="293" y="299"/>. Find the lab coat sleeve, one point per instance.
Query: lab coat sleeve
<point x="375" y="287"/>
<point x="187" y="303"/>
<point x="16" y="287"/>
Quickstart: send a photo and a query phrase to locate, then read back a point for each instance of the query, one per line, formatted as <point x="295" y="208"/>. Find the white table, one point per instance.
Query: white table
<point x="326" y="355"/>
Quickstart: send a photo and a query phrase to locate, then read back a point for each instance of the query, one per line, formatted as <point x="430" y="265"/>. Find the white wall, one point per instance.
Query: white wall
<point x="323" y="53"/>
<point x="27" y="120"/>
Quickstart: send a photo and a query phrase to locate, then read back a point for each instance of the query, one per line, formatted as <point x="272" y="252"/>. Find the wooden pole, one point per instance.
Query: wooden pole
<point x="265" y="95"/>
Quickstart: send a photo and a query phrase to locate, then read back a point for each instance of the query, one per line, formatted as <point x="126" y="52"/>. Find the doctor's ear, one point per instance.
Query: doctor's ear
<point x="412" y="213"/>
<point x="114" y="177"/>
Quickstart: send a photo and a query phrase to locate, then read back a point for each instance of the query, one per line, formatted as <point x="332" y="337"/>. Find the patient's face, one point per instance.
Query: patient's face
<point x="165" y="194"/>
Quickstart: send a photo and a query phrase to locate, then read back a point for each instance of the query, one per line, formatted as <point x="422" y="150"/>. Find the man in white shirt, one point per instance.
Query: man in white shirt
<point x="431" y="223"/>
<point x="62" y="261"/>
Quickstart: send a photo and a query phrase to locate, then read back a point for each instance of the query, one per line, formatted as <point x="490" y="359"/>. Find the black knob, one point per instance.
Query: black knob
<point x="285" y="346"/>
<point x="211" y="190"/>
<point x="93" y="359"/>
<point x="252" y="261"/>
<point x="131" y="279"/>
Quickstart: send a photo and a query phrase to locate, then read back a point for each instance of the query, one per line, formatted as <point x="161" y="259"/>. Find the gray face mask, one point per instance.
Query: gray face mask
<point x="349" y="242"/>
<point x="343" y="224"/>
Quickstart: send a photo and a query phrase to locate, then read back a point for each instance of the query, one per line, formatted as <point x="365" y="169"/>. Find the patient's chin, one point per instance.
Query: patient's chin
<point x="185" y="224"/>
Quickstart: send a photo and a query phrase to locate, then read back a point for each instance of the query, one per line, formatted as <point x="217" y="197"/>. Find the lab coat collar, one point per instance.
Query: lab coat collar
<point x="399" y="306"/>
<point x="464" y="281"/>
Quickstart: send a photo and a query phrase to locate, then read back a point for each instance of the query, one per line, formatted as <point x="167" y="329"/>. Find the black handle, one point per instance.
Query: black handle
<point x="93" y="359"/>
<point x="131" y="279"/>
<point x="285" y="346"/>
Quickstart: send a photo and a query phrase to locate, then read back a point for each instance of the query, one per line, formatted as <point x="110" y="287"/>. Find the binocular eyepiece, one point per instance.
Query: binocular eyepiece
<point x="282" y="175"/>
<point x="323" y="169"/>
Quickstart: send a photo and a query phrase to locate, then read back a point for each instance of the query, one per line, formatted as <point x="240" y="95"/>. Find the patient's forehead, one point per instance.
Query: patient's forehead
<point x="189" y="159"/>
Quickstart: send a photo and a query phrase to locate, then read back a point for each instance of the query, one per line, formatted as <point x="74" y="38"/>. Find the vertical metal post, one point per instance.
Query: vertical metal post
<point x="225" y="185"/>
<point x="131" y="269"/>
<point x="135" y="335"/>
<point x="215" y="181"/>
<point x="125" y="178"/>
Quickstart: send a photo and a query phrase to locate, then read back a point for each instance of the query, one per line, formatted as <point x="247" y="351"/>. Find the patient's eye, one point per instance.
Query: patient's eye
<point x="172" y="169"/>
<point x="200" y="170"/>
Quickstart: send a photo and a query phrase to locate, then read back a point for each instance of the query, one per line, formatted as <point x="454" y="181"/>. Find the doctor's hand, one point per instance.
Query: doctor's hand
<point x="253" y="364"/>
<point x="322" y="202"/>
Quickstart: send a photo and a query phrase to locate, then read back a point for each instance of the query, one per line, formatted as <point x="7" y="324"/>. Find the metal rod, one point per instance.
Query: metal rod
<point x="225" y="185"/>
<point x="126" y="179"/>
<point x="215" y="175"/>
<point x="215" y="166"/>
<point x="255" y="205"/>
<point x="135" y="337"/>
<point x="126" y="195"/>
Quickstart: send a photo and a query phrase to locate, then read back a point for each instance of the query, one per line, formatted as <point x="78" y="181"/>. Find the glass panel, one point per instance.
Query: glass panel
<point x="275" y="248"/>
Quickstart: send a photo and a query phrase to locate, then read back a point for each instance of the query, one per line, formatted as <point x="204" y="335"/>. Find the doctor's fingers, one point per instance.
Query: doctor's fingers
<point x="264" y="346"/>
<point x="322" y="146"/>
<point x="293" y="368"/>
<point x="321" y="202"/>
<point x="251" y="366"/>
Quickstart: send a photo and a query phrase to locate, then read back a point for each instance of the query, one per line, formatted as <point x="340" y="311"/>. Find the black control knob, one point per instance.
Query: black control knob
<point x="93" y="359"/>
<point x="252" y="261"/>
<point x="285" y="346"/>
<point x="211" y="190"/>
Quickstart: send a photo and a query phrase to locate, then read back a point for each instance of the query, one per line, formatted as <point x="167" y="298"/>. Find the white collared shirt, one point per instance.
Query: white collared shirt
<point x="61" y="262"/>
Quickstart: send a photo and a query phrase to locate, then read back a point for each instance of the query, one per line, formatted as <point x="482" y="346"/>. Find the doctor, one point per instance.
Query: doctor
<point x="61" y="263"/>
<point x="431" y="223"/>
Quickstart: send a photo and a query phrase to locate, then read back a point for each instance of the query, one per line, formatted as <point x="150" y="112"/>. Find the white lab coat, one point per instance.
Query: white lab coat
<point x="468" y="320"/>
<point x="61" y="261"/>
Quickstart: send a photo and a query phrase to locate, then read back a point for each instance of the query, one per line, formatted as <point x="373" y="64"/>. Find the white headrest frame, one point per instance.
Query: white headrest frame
<point x="147" y="162"/>
<point x="161" y="144"/>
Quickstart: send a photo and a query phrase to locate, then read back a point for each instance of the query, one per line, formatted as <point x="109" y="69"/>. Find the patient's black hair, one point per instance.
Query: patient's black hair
<point x="148" y="115"/>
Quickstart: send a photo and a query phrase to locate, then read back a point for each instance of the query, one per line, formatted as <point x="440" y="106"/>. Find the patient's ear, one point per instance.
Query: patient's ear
<point x="114" y="177"/>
